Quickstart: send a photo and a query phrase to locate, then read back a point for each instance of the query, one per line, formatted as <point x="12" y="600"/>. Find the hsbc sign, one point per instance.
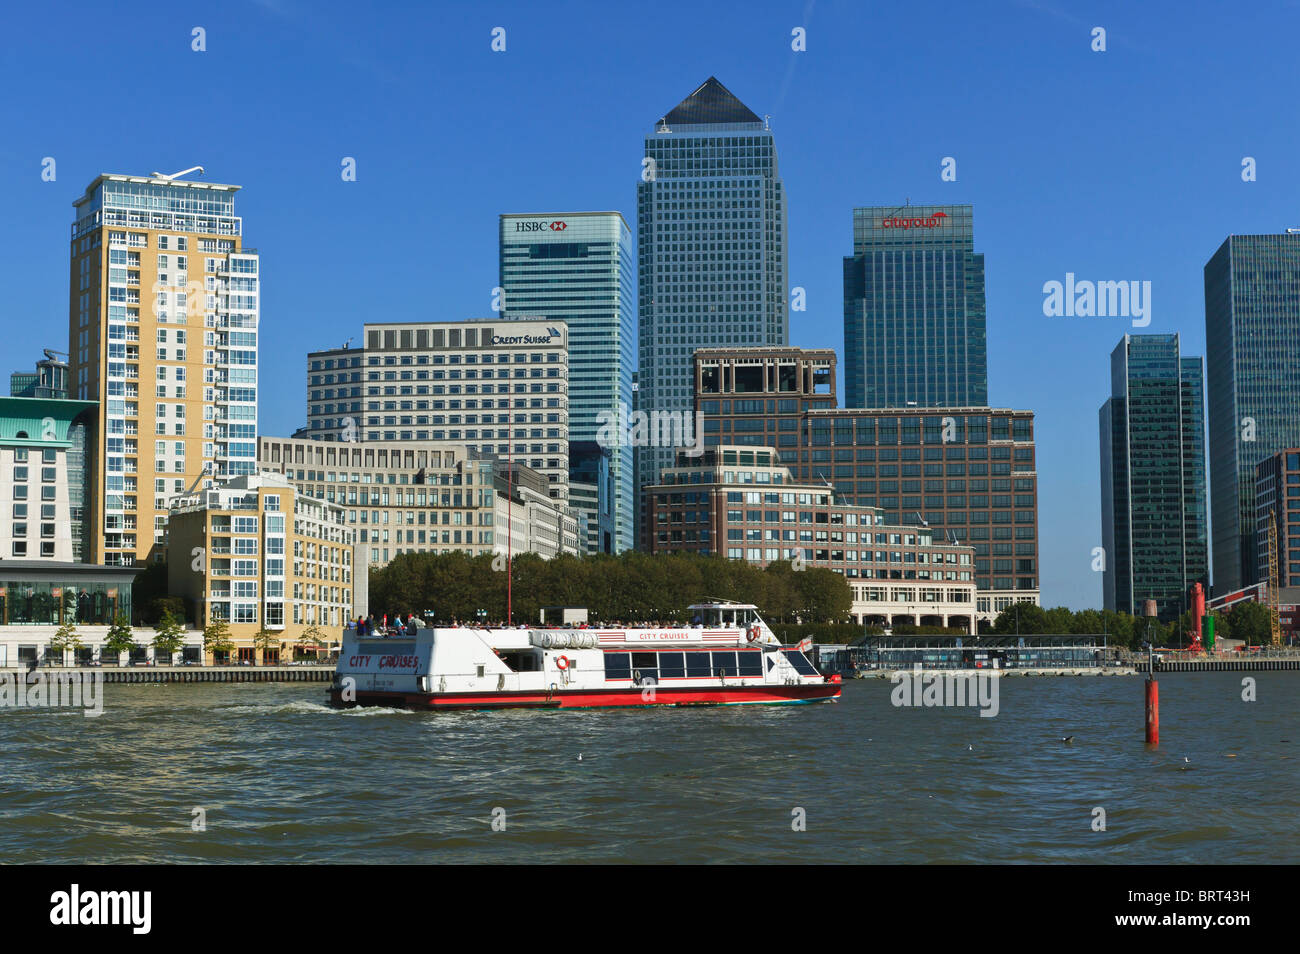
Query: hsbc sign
<point x="556" y="226"/>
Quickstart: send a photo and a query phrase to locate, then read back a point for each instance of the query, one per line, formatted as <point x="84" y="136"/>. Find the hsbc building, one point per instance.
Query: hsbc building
<point x="578" y="268"/>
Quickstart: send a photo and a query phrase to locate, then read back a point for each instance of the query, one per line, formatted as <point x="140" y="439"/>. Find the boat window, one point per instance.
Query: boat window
<point x="672" y="665"/>
<point x="617" y="666"/>
<point x="697" y="664"/>
<point x="750" y="662"/>
<point x="521" y="660"/>
<point x="800" y="662"/>
<point x="724" y="664"/>
<point x="645" y="666"/>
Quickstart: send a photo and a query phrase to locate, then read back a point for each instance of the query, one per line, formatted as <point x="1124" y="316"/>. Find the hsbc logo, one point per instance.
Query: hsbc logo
<point x="556" y="226"/>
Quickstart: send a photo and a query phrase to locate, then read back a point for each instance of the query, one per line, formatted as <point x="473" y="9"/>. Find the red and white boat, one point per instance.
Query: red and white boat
<point x="730" y="658"/>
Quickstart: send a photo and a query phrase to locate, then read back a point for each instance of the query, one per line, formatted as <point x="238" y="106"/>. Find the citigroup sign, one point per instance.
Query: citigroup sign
<point x="531" y="226"/>
<point x="899" y="222"/>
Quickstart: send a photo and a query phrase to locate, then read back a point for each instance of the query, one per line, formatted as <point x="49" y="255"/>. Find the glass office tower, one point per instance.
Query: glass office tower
<point x="711" y="227"/>
<point x="1252" y="347"/>
<point x="1153" y="477"/>
<point x="914" y="309"/>
<point x="578" y="267"/>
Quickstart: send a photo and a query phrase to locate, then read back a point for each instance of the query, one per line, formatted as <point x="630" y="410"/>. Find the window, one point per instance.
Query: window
<point x="800" y="662"/>
<point x="617" y="666"/>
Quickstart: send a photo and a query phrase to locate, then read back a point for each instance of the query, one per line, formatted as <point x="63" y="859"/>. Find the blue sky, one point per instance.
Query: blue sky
<point x="1123" y="164"/>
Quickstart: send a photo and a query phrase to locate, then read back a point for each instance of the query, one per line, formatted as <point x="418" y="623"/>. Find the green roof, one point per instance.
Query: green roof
<point x="38" y="422"/>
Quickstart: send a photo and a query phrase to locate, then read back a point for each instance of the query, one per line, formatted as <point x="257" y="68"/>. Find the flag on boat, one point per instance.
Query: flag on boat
<point x="804" y="644"/>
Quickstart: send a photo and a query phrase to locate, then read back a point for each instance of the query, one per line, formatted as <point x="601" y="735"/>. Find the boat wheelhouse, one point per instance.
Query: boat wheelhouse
<point x="726" y="656"/>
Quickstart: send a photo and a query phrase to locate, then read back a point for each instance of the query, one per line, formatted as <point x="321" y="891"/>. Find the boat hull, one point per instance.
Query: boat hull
<point x="597" y="698"/>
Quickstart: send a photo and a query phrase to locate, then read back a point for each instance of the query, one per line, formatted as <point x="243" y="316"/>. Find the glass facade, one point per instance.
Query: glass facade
<point x="914" y="313"/>
<point x="1153" y="477"/>
<point x="711" y="230"/>
<point x="1252" y="346"/>
<point x="578" y="267"/>
<point x="45" y="603"/>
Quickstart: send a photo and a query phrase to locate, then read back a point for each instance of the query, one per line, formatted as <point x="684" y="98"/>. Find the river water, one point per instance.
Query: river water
<point x="276" y="776"/>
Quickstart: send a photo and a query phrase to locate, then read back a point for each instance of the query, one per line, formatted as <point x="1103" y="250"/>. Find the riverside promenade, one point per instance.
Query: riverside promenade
<point x="312" y="672"/>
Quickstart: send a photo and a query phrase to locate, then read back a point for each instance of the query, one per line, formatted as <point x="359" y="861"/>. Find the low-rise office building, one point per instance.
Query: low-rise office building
<point x="1277" y="509"/>
<point x="425" y="496"/>
<point x="967" y="472"/>
<point x="744" y="504"/>
<point x="499" y="386"/>
<point x="262" y="556"/>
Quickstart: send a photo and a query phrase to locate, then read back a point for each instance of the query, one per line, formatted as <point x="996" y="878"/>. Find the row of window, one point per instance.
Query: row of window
<point x="644" y="667"/>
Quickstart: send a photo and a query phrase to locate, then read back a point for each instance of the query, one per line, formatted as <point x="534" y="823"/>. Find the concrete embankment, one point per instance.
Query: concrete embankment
<point x="1052" y="671"/>
<point x="1212" y="664"/>
<point x="139" y="674"/>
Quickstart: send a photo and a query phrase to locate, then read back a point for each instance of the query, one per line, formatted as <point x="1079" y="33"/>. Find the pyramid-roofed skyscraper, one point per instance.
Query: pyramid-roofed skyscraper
<point x="711" y="232"/>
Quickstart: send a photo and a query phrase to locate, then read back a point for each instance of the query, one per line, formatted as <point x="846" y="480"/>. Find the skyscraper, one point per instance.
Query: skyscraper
<point x="914" y="309"/>
<point x="1252" y="347"/>
<point x="711" y="231"/>
<point x="578" y="267"/>
<point x="163" y="324"/>
<point x="1153" y="477"/>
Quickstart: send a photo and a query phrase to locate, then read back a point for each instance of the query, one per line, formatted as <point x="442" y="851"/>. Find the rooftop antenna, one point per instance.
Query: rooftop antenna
<point x="177" y="175"/>
<point x="767" y="121"/>
<point x="346" y="343"/>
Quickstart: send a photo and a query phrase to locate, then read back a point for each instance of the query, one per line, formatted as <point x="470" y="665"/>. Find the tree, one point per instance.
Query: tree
<point x="216" y="637"/>
<point x="1024" y="618"/>
<point x="168" y="638"/>
<point x="166" y="606"/>
<point x="824" y="595"/>
<point x="149" y="585"/>
<point x="265" y="639"/>
<point x="1249" y="621"/>
<point x="119" y="639"/>
<point x="64" y="639"/>
<point x="313" y="635"/>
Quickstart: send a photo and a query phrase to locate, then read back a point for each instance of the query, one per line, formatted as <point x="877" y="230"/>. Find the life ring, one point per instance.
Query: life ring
<point x="561" y="663"/>
<point x="754" y="633"/>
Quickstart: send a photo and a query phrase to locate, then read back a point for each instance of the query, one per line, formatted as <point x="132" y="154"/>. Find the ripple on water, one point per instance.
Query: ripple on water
<point x="280" y="776"/>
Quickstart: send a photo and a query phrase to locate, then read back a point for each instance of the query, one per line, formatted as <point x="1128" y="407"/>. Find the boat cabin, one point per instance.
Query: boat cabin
<point x="723" y="615"/>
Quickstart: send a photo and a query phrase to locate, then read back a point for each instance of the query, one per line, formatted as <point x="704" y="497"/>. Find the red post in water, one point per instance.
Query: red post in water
<point x="1153" y="711"/>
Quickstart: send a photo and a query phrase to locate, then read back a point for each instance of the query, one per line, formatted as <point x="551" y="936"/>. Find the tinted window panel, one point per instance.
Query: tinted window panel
<point x="617" y="666"/>
<point x="750" y="663"/>
<point x="724" y="664"/>
<point x="671" y="665"/>
<point x="697" y="664"/>
<point x="800" y="662"/>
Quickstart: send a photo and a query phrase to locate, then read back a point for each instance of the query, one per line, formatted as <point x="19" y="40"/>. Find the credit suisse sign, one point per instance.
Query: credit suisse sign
<point x="539" y="226"/>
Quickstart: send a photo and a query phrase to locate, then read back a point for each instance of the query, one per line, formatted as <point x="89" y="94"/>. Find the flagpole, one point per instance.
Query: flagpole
<point x="510" y="517"/>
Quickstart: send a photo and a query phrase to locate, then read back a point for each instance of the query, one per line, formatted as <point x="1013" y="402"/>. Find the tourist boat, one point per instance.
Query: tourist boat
<point x="728" y="657"/>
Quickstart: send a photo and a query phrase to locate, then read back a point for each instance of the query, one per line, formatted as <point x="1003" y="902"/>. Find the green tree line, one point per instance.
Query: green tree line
<point x="630" y="586"/>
